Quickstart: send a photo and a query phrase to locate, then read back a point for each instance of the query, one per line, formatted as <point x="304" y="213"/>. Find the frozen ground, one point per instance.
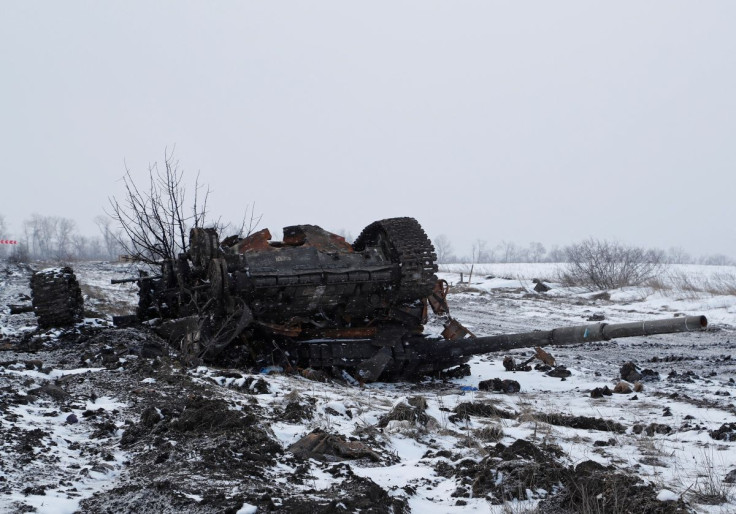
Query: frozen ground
<point x="106" y="420"/>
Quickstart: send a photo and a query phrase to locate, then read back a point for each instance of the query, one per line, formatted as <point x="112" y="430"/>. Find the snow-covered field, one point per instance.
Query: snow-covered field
<point x="437" y="446"/>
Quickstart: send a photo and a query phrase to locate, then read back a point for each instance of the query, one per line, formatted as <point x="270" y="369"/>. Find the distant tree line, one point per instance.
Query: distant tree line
<point x="508" y="251"/>
<point x="55" y="238"/>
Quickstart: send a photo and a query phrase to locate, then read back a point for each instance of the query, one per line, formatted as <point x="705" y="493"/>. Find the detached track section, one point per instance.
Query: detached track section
<point x="407" y="244"/>
<point x="57" y="298"/>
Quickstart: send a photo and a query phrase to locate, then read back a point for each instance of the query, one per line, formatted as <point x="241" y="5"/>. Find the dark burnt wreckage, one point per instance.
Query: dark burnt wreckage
<point x="314" y="300"/>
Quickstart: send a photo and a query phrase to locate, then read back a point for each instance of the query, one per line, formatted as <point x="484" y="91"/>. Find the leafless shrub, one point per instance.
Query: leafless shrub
<point x="155" y="221"/>
<point x="19" y="253"/>
<point x="722" y="283"/>
<point x="597" y="264"/>
<point x="709" y="487"/>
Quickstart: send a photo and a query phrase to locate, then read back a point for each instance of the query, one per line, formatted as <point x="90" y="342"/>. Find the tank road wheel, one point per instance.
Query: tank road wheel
<point x="57" y="298"/>
<point x="404" y="241"/>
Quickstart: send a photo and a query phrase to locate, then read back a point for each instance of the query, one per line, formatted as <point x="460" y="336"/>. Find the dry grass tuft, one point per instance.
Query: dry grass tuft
<point x="489" y="433"/>
<point x="709" y="487"/>
<point x="690" y="286"/>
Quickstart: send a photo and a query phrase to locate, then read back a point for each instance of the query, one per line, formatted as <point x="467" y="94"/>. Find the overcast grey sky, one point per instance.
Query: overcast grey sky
<point x="541" y="121"/>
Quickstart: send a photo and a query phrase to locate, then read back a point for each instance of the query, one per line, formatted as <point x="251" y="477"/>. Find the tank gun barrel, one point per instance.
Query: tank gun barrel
<point x="566" y="336"/>
<point x="419" y="355"/>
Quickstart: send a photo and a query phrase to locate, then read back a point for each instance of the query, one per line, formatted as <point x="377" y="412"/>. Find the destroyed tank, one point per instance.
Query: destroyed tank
<point x="314" y="300"/>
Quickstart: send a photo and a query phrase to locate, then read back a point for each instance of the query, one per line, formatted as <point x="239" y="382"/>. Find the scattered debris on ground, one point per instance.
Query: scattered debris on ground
<point x="101" y="419"/>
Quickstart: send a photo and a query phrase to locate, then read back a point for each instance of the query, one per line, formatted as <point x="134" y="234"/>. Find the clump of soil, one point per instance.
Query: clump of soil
<point x="631" y="373"/>
<point x="188" y="436"/>
<point x="519" y="471"/>
<point x="559" y="372"/>
<point x="591" y="487"/>
<point x="651" y="429"/>
<point x="582" y="422"/>
<point x="503" y="386"/>
<point x="727" y="432"/>
<point x="483" y="410"/>
<point x="413" y="411"/>
<point x="211" y="416"/>
<point x="460" y="371"/>
<point x="600" y="392"/>
<point x="355" y="494"/>
<point x="296" y="411"/>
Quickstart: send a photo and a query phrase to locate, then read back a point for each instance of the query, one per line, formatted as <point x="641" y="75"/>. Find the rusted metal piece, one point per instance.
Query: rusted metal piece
<point x="256" y="242"/>
<point x="544" y="356"/>
<point x="327" y="447"/>
<point x="293" y="330"/>
<point x="438" y="298"/>
<point x="349" y="333"/>
<point x="315" y="237"/>
<point x="309" y="236"/>
<point x="454" y="330"/>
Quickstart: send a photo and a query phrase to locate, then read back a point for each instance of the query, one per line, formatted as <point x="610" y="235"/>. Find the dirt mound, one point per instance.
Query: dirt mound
<point x="413" y="412"/>
<point x="727" y="432"/>
<point x="591" y="487"/>
<point x="355" y="494"/>
<point x="203" y="415"/>
<point x="521" y="471"/>
<point x="483" y="410"/>
<point x="583" y="422"/>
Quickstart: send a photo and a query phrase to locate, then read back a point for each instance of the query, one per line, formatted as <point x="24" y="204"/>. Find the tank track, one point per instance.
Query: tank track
<point x="408" y="244"/>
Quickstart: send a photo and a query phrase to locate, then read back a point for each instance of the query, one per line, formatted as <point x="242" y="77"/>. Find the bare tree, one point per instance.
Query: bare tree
<point x="19" y="252"/>
<point x="64" y="235"/>
<point x="80" y="244"/>
<point x="43" y="234"/>
<point x="556" y="254"/>
<point x="597" y="264"/>
<point x="443" y="248"/>
<point x="155" y="221"/>
<point x="536" y="251"/>
<point x="479" y="252"/>
<point x="716" y="260"/>
<point x="94" y="247"/>
<point x="677" y="255"/>
<point x="109" y="237"/>
<point x="506" y="250"/>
